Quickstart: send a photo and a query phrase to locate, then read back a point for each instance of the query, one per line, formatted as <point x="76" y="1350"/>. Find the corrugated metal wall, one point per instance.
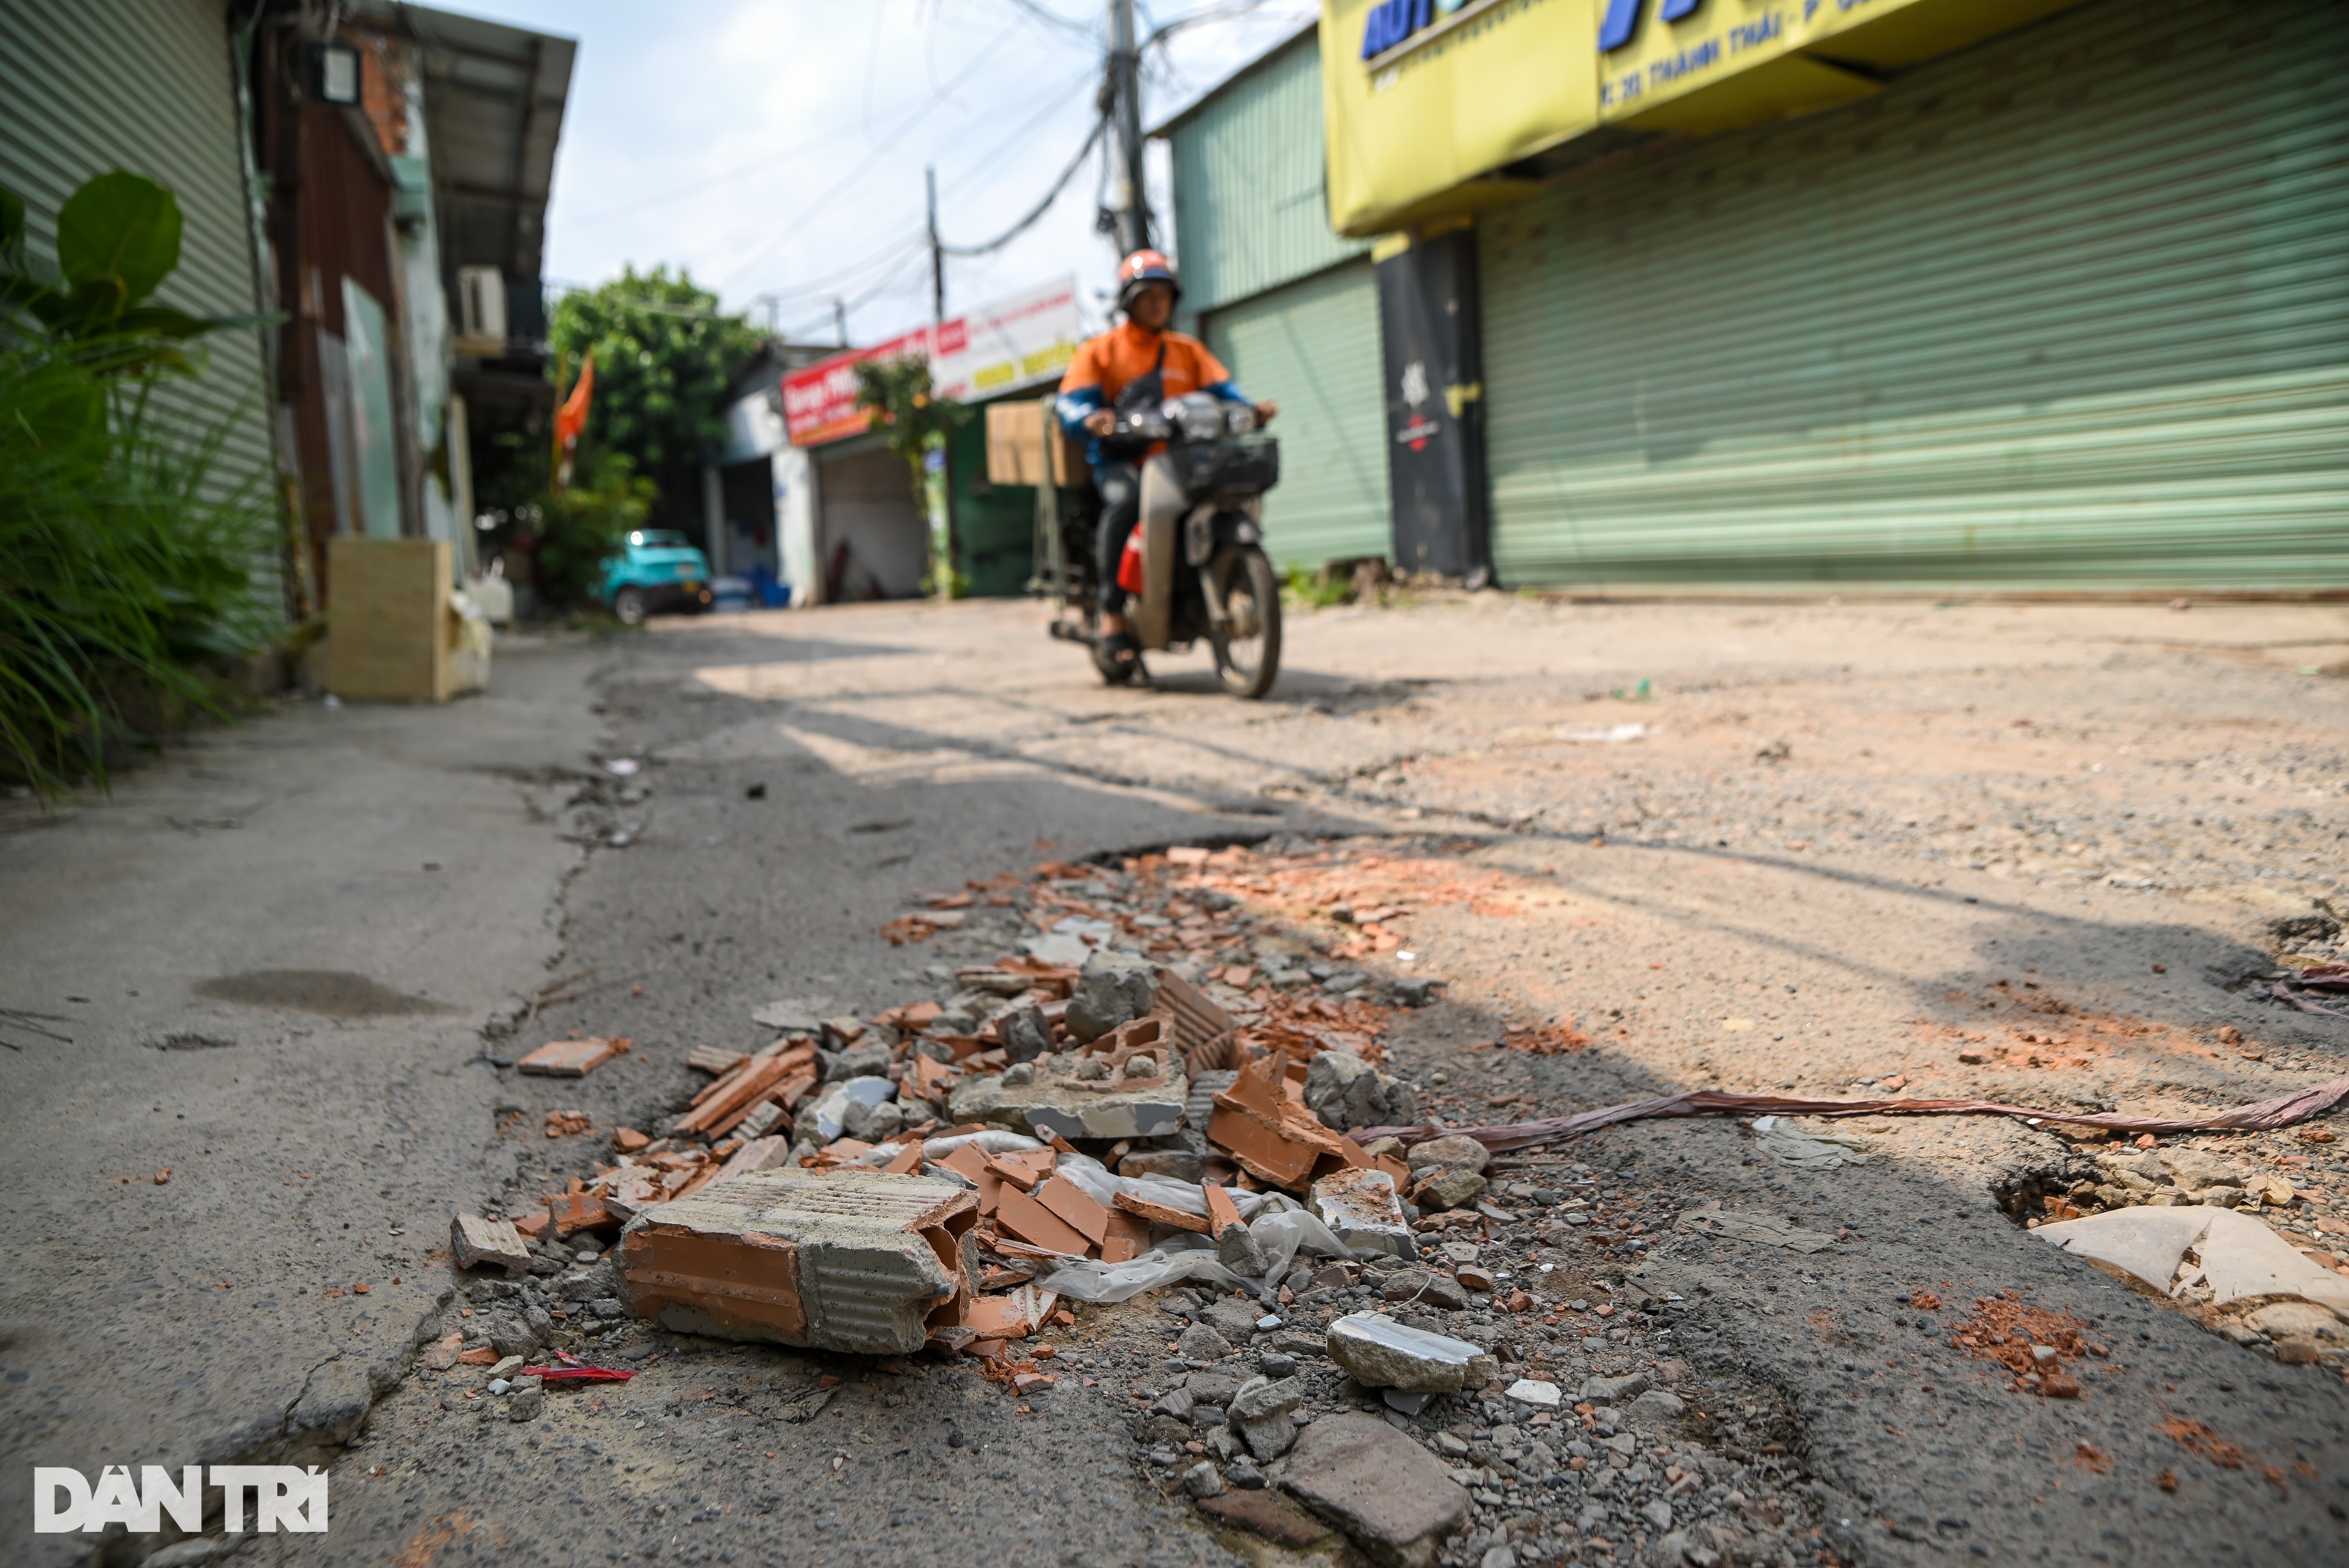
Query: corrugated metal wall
<point x="2071" y="306"/>
<point x="1251" y="210"/>
<point x="146" y="86"/>
<point x="1313" y="347"/>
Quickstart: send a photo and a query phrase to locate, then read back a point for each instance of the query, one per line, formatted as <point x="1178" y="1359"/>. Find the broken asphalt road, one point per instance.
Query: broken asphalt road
<point x="1836" y="909"/>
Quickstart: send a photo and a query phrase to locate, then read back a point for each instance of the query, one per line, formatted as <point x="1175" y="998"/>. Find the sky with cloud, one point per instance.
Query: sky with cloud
<point x="776" y="148"/>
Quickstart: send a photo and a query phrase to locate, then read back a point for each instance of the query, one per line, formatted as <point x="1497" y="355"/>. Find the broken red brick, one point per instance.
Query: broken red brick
<point x="908" y="1160"/>
<point x="1266" y="1128"/>
<point x="1127" y="1237"/>
<point x="1072" y="1203"/>
<point x="577" y="1212"/>
<point x="1013" y="1168"/>
<point x="476" y="1243"/>
<point x="969" y="1163"/>
<point x="480" y="1356"/>
<point x="573" y="1058"/>
<point x="850" y="1260"/>
<point x="1159" y="1213"/>
<point x="716" y="1060"/>
<point x="1223" y="1214"/>
<point x="1031" y="1221"/>
<point x="2196" y="1437"/>
<point x="763" y="1073"/>
<point x="629" y="1140"/>
<point x="534" y="1225"/>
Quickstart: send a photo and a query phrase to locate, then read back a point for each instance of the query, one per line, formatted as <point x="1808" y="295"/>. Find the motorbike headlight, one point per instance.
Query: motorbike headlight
<point x="1239" y="418"/>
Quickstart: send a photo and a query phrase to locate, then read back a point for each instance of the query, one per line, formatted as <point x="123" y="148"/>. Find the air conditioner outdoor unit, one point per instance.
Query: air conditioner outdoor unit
<point x="480" y="310"/>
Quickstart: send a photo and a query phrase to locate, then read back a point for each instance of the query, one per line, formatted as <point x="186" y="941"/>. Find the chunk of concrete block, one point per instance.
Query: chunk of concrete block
<point x="1112" y="988"/>
<point x="1233" y="1318"/>
<point x="829" y="1117"/>
<point x="852" y="1259"/>
<point x="1057" y="1100"/>
<point x="1347" y="1092"/>
<point x="1394" y="1498"/>
<point x="476" y="1243"/>
<point x="1453" y="1151"/>
<point x="1384" y="1354"/>
<point x="1268" y="1437"/>
<point x="1451" y="1189"/>
<point x="1363" y="1210"/>
<point x="1614" y="1390"/>
<point x="1260" y="1397"/>
<point x="1200" y="1342"/>
<point x="793" y="1015"/>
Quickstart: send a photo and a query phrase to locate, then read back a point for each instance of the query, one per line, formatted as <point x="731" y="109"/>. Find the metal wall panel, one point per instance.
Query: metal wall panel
<point x="2070" y="306"/>
<point x="1251" y="207"/>
<point x="1313" y="347"/>
<point x="146" y="86"/>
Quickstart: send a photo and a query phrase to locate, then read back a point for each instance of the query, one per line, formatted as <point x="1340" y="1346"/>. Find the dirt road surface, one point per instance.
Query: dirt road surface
<point x="2048" y="854"/>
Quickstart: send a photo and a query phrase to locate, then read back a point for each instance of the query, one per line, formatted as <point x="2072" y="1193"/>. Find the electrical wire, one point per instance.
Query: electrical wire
<point x="1053" y="18"/>
<point x="1092" y="141"/>
<point x="787" y="230"/>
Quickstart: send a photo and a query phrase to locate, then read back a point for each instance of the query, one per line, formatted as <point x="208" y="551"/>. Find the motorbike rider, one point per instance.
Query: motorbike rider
<point x="1134" y="365"/>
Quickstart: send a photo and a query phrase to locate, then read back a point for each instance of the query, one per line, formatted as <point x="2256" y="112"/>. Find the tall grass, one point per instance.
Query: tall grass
<point x="126" y="562"/>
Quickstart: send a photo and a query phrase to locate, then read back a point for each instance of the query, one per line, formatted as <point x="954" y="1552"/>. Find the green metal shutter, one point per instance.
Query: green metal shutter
<point x="2069" y="306"/>
<point x="1250" y="210"/>
<point x="1313" y="348"/>
<point x="148" y="86"/>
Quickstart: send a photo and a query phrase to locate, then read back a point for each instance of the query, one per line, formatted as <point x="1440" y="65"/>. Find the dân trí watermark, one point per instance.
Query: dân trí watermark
<point x="284" y="1497"/>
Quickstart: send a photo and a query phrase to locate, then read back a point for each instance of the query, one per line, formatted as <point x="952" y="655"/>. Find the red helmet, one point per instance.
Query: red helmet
<point x="1141" y="269"/>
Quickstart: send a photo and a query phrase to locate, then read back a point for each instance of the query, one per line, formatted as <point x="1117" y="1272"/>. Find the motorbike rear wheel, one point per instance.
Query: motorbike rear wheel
<point x="1247" y="650"/>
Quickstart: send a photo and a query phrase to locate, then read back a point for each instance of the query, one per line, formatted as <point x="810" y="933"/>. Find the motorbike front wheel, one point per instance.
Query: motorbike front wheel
<point x="1247" y="650"/>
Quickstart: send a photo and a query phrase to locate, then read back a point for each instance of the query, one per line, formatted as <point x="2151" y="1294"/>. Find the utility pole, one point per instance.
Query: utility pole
<point x="938" y="252"/>
<point x="839" y="321"/>
<point x="1125" y="84"/>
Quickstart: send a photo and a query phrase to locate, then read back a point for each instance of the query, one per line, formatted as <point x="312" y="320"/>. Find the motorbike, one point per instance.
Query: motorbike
<point x="1195" y="566"/>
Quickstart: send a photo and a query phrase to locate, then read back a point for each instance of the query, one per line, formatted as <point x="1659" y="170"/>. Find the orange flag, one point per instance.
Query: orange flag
<point x="571" y="419"/>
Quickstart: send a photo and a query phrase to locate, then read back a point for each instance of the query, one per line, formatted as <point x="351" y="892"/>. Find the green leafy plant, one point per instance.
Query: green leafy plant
<point x="916" y="424"/>
<point x="1307" y="589"/>
<point x="665" y="358"/>
<point x="586" y="521"/>
<point x="129" y="544"/>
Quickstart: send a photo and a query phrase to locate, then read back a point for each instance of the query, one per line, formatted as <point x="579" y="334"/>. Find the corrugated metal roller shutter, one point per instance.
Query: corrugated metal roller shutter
<point x="2070" y="306"/>
<point x="1313" y="348"/>
<point x="147" y="86"/>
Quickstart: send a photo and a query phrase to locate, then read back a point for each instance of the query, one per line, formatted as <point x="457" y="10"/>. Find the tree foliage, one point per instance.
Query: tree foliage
<point x="665" y="357"/>
<point x="912" y="419"/>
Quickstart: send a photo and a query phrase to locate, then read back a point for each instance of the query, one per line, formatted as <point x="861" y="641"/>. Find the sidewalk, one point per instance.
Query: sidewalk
<point x="272" y="952"/>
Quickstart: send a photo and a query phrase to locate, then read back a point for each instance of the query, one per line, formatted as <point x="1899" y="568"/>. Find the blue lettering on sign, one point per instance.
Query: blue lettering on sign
<point x="1391" y="21"/>
<point x="1615" y="28"/>
<point x="1674" y="10"/>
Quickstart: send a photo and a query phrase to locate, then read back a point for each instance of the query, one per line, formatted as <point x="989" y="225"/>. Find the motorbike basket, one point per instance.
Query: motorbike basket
<point x="1207" y="468"/>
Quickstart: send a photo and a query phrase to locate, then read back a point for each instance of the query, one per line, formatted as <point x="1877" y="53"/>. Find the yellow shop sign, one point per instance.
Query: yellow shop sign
<point x="1434" y="107"/>
<point x="1454" y="95"/>
<point x="1712" y="64"/>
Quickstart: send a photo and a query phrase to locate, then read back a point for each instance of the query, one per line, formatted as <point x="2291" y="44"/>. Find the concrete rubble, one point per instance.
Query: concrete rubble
<point x="1384" y="1354"/>
<point x="1069" y="1125"/>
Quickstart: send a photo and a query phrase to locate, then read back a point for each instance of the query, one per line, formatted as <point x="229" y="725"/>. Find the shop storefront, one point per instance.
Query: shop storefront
<point x="1927" y="293"/>
<point x="858" y="522"/>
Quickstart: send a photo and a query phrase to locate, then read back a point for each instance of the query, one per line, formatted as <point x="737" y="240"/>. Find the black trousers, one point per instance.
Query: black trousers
<point x="1120" y="492"/>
